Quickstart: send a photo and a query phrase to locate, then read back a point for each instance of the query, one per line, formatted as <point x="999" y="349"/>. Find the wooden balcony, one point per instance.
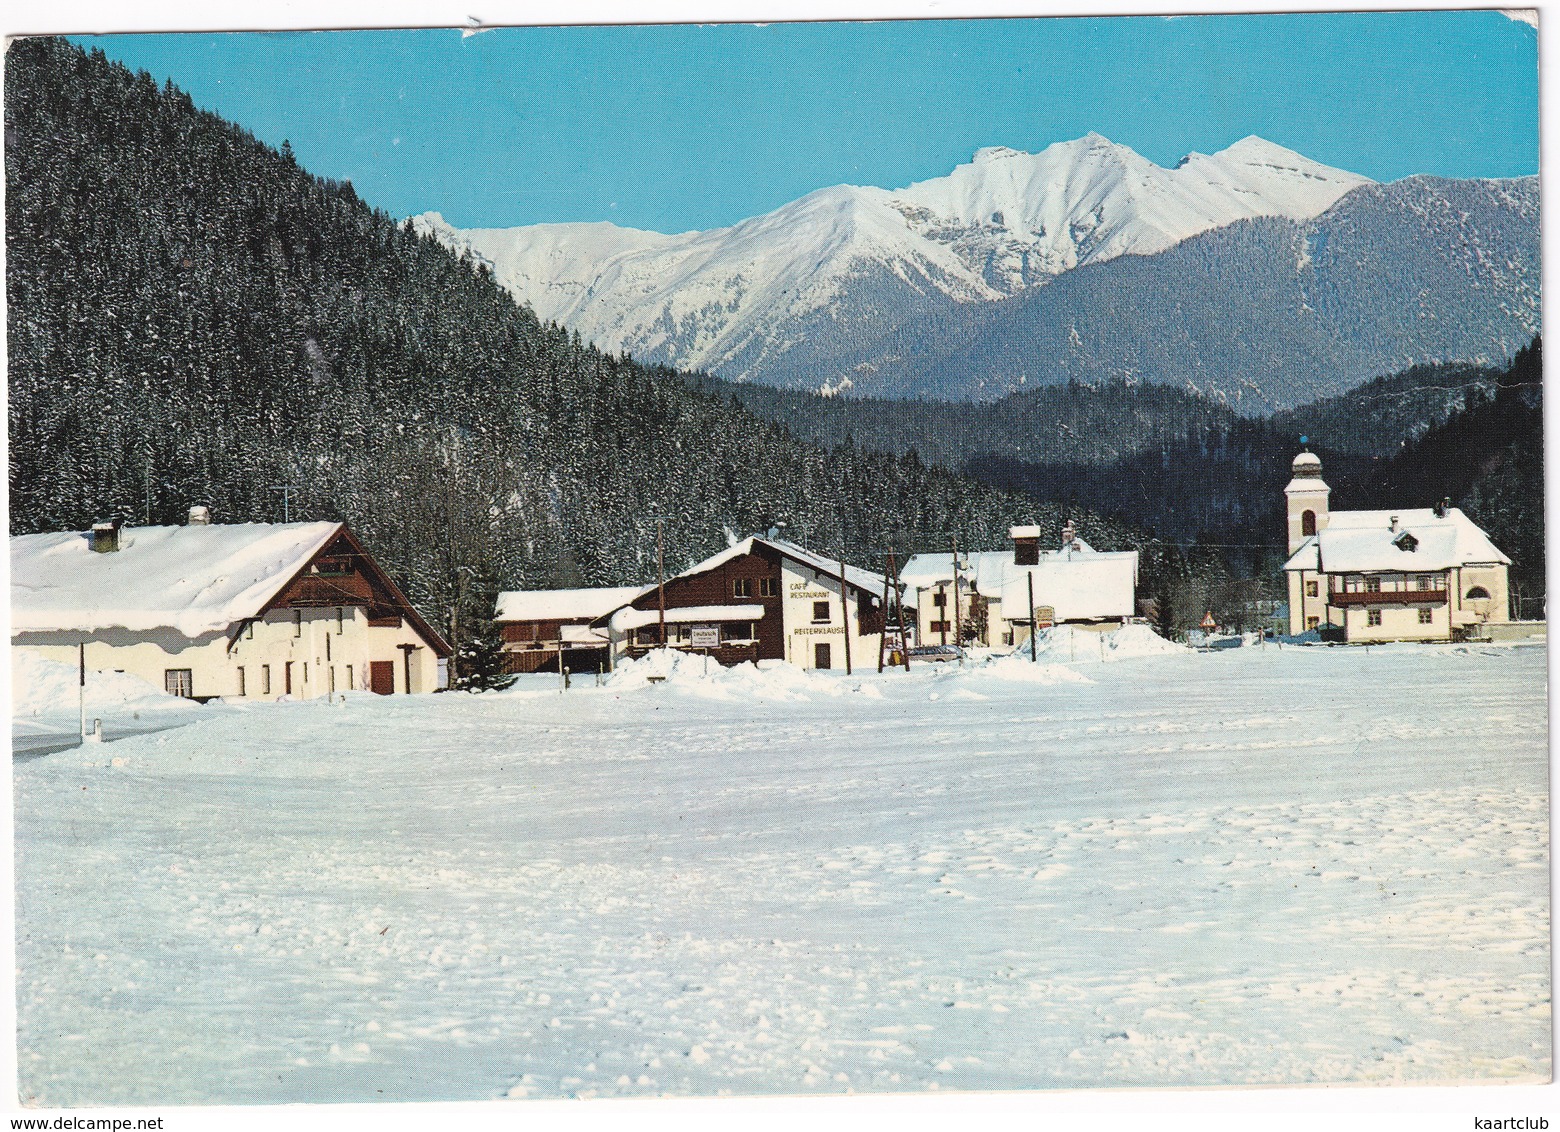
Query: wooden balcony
<point x="1386" y="597"/>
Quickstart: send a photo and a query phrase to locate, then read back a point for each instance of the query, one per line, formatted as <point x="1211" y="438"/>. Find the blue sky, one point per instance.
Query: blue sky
<point x="680" y="127"/>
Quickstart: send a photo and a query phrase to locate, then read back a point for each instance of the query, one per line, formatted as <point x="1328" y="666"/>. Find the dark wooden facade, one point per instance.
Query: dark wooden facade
<point x="754" y="578"/>
<point x="718" y="586"/>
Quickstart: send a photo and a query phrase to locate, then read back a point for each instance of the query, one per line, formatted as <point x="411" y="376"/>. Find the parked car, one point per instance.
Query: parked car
<point x="936" y="653"/>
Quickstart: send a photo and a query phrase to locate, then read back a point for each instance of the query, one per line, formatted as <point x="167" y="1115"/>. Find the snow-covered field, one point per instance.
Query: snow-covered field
<point x="1258" y="865"/>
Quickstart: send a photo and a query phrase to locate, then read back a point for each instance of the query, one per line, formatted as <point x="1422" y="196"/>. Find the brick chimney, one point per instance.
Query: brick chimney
<point x="1026" y="545"/>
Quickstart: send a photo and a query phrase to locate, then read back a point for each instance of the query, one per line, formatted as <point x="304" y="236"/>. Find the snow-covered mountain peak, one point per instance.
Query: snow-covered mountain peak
<point x="1005" y="221"/>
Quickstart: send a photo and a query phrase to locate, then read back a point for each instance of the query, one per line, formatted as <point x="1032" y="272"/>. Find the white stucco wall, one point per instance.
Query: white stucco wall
<point x="800" y="587"/>
<point x="326" y="655"/>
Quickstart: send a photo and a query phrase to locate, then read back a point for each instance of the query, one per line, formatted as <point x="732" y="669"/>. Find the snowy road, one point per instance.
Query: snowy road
<point x="1252" y="866"/>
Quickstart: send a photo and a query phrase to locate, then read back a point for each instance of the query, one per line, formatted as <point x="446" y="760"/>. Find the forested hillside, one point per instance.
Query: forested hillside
<point x="195" y="319"/>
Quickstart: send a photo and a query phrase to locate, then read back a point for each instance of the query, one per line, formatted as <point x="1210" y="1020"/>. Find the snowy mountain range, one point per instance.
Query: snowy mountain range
<point x="792" y="297"/>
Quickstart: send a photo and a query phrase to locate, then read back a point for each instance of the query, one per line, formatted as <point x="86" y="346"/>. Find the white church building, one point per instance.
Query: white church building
<point x="1406" y="574"/>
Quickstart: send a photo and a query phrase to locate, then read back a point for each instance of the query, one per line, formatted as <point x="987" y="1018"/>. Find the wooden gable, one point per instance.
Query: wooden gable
<point x="342" y="573"/>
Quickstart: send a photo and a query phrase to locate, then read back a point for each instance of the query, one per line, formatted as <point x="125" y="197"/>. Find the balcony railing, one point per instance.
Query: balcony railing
<point x="1386" y="597"/>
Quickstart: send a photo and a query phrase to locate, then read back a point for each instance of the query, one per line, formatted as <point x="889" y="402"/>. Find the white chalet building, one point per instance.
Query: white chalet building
<point x="1073" y="584"/>
<point x="1410" y="574"/>
<point x="253" y="611"/>
<point x="762" y="598"/>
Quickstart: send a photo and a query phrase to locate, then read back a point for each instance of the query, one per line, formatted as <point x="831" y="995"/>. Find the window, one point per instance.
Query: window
<point x="1308" y="522"/>
<point x="241" y="690"/>
<point x="297" y="622"/>
<point x="768" y="587"/>
<point x="349" y="678"/>
<point x="332" y="682"/>
<point x="940" y="599"/>
<point x="1313" y="622"/>
<point x="305" y="672"/>
<point x="820" y="612"/>
<point x="1478" y="593"/>
<point x="1312" y="589"/>
<point x="1373" y="617"/>
<point x="265" y="679"/>
<point x="736" y="630"/>
<point x="1426" y="616"/>
<point x="1373" y="585"/>
<point x="938" y="627"/>
<point x="341" y="619"/>
<point x="179" y="682"/>
<point x="742" y="587"/>
<point x="327" y="646"/>
<point x="249" y="631"/>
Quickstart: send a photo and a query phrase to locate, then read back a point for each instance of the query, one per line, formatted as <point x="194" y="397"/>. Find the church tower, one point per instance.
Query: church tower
<point x="1307" y="494"/>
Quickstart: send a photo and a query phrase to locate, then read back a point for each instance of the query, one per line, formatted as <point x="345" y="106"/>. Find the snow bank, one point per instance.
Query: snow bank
<point x="47" y="689"/>
<point x="1018" y="668"/>
<point x="701" y="676"/>
<point x="1070" y="645"/>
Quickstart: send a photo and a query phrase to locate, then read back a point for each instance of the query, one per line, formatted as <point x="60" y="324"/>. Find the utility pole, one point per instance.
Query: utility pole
<point x="899" y="611"/>
<point x="845" y="611"/>
<point x="883" y="636"/>
<point x="286" y="489"/>
<point x="660" y="573"/>
<point x="958" y="621"/>
<point x="1034" y="622"/>
<point x="81" y="695"/>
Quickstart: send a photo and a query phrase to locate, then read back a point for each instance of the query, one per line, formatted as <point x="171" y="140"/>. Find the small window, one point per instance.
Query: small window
<point x="820" y="612"/>
<point x="341" y="619"/>
<point x="249" y="631"/>
<point x="938" y="627"/>
<point x="940" y="599"/>
<point x="1313" y="622"/>
<point x="768" y="587"/>
<point x="1426" y="616"/>
<point x="332" y="681"/>
<point x="265" y="679"/>
<point x="327" y="646"/>
<point x="742" y="587"/>
<point x="305" y="673"/>
<point x="297" y="622"/>
<point x="179" y="682"/>
<point x="1308" y="522"/>
<point x="349" y="678"/>
<point x="1478" y="593"/>
<point x="1373" y="617"/>
<point x="1373" y="585"/>
<point x="1312" y="589"/>
<point x="241" y="687"/>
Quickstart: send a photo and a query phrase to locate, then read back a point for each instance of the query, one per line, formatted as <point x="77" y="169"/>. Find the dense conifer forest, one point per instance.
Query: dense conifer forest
<point x="195" y="319"/>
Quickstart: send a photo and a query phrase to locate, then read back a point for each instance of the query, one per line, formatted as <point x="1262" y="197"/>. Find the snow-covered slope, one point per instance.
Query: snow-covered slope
<point x="732" y="300"/>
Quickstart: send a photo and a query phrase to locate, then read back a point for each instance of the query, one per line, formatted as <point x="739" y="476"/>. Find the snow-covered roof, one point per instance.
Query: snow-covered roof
<point x="1079" y="586"/>
<point x="861" y="579"/>
<point x="1364" y="542"/>
<point x="564" y="605"/>
<point x="196" y="579"/>
<point x="628" y="618"/>
<point x="983" y="569"/>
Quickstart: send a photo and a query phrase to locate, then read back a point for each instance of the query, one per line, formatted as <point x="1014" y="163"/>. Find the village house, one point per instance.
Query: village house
<point x="1073" y="584"/>
<point x="545" y="629"/>
<point x="1409" y="574"/>
<point x="763" y="598"/>
<point x="255" y="611"/>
